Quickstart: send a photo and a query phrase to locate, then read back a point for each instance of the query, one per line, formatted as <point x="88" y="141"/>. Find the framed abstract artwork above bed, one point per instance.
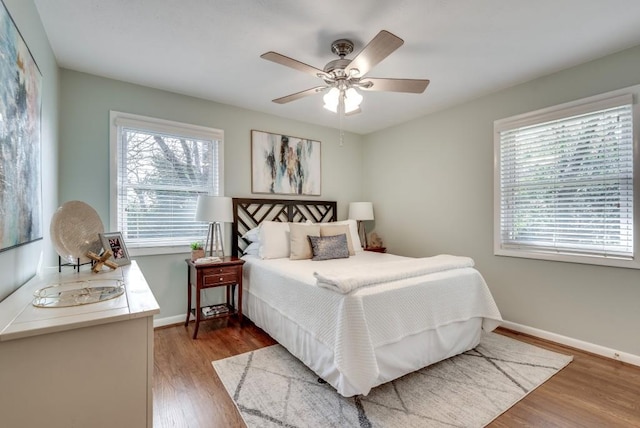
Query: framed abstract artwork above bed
<point x="20" y="146"/>
<point x="284" y="164"/>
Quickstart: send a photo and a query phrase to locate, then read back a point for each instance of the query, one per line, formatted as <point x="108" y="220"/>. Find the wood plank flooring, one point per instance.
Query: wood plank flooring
<point x="590" y="392"/>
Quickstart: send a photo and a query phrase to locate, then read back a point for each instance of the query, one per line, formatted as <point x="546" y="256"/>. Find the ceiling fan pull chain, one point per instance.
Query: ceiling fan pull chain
<point x="341" y="115"/>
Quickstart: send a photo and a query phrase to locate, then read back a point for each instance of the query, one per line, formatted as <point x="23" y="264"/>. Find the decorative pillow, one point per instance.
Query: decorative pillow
<point x="338" y="230"/>
<point x="300" y="246"/>
<point x="329" y="247"/>
<point x="252" y="235"/>
<point x="353" y="229"/>
<point x="252" y="249"/>
<point x="274" y="240"/>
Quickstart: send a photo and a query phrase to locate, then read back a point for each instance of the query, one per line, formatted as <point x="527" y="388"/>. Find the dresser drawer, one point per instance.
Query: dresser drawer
<point x="225" y="276"/>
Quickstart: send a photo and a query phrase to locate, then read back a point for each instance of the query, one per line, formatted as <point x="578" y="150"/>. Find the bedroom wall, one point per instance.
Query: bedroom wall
<point x="431" y="182"/>
<point x="18" y="265"/>
<point x="84" y="158"/>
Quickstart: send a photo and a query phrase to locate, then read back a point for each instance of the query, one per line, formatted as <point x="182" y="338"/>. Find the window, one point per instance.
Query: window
<point x="564" y="183"/>
<point x="158" y="170"/>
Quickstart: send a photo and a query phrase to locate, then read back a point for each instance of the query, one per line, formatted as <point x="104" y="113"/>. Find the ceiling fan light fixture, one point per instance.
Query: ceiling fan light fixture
<point x="343" y="75"/>
<point x="332" y="99"/>
<point x="352" y="100"/>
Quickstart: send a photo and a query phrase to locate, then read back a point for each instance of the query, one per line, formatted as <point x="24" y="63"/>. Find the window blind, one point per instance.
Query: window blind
<point x="160" y="175"/>
<point x="566" y="184"/>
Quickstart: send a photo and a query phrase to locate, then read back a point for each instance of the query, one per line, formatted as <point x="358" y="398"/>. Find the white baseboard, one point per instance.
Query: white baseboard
<point x="553" y="337"/>
<point x="574" y="343"/>
<point x="176" y="319"/>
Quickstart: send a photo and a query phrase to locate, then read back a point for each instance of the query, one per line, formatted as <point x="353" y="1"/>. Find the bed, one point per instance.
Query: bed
<point x="357" y="321"/>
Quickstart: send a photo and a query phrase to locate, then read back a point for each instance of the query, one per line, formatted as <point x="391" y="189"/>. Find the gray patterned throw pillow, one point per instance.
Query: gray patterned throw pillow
<point x="329" y="247"/>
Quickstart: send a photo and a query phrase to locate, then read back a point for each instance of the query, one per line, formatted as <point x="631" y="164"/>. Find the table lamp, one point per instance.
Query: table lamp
<point x="215" y="210"/>
<point x="361" y="211"/>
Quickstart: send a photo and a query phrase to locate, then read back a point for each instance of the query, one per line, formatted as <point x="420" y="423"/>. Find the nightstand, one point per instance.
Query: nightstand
<point x="227" y="273"/>
<point x="377" y="249"/>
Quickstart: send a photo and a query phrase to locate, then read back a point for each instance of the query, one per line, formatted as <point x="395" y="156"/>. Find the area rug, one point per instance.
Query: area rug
<point x="271" y="388"/>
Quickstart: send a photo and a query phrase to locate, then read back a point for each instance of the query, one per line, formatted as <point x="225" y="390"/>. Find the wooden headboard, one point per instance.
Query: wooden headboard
<point x="249" y="212"/>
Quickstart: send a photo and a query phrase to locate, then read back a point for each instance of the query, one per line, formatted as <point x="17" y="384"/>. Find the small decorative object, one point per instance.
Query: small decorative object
<point x="207" y="260"/>
<point x="282" y="164"/>
<point x="209" y="311"/>
<point x="102" y="260"/>
<point x="375" y="241"/>
<point x="75" y="229"/>
<point x="77" y="293"/>
<point x="197" y="251"/>
<point x="113" y="241"/>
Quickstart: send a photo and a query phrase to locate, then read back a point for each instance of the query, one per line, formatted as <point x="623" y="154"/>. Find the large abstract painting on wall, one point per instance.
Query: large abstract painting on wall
<point x="282" y="164"/>
<point x="20" y="164"/>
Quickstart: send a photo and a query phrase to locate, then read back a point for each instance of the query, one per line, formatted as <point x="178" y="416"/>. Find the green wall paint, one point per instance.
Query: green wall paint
<point x="443" y="165"/>
<point x="85" y="103"/>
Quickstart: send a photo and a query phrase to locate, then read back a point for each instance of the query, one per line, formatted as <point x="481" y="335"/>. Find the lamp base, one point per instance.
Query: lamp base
<point x="362" y="233"/>
<point x="214" y="240"/>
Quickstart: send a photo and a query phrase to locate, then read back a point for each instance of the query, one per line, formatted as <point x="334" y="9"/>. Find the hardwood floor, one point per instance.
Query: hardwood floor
<point x="186" y="390"/>
<point x="590" y="392"/>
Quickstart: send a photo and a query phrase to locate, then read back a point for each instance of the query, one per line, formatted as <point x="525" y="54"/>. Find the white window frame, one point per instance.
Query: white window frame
<point x="558" y="112"/>
<point x="117" y="120"/>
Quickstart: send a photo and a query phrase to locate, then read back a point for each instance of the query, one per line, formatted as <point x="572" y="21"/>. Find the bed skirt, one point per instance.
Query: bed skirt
<point x="417" y="350"/>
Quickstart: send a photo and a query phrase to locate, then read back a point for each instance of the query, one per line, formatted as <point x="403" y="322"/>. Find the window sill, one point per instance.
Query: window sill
<point x="567" y="258"/>
<point x="156" y="251"/>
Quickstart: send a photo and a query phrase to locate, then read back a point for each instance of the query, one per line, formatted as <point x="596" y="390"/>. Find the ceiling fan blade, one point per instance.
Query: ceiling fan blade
<point x="298" y="95"/>
<point x="416" y="86"/>
<point x="293" y="63"/>
<point x="382" y="45"/>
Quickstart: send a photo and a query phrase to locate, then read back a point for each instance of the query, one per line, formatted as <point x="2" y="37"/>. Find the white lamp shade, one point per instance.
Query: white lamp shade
<point x="214" y="209"/>
<point x="352" y="100"/>
<point x="361" y="211"/>
<point x="331" y="100"/>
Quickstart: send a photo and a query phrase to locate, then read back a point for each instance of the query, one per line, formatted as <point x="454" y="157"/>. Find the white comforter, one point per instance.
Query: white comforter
<point x="353" y="325"/>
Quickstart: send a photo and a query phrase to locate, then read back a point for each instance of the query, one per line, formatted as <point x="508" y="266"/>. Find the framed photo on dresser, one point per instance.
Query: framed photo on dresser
<point x="113" y="241"/>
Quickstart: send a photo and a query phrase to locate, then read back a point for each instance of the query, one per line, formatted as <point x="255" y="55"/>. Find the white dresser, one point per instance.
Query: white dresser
<point x="80" y="366"/>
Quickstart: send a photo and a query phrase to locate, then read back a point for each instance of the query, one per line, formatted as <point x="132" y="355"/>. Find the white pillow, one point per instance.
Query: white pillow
<point x="353" y="228"/>
<point x="299" y="241"/>
<point x="252" y="235"/>
<point x="274" y="240"/>
<point x="338" y="229"/>
<point x="252" y="249"/>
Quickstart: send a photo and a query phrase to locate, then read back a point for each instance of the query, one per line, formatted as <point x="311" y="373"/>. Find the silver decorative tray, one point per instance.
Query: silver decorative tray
<point x="78" y="293"/>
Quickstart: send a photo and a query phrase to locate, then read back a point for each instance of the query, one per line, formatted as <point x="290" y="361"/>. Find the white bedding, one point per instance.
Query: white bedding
<point x="348" y="278"/>
<point x="346" y="336"/>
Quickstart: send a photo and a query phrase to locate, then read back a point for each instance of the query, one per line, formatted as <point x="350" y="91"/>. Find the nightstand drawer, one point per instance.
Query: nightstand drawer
<point x="226" y="276"/>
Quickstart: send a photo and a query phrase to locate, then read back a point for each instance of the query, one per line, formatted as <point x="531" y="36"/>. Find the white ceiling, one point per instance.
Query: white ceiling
<point x="211" y="48"/>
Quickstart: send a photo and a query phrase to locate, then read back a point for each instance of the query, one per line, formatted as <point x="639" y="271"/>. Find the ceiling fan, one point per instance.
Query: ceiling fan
<point x="343" y="76"/>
